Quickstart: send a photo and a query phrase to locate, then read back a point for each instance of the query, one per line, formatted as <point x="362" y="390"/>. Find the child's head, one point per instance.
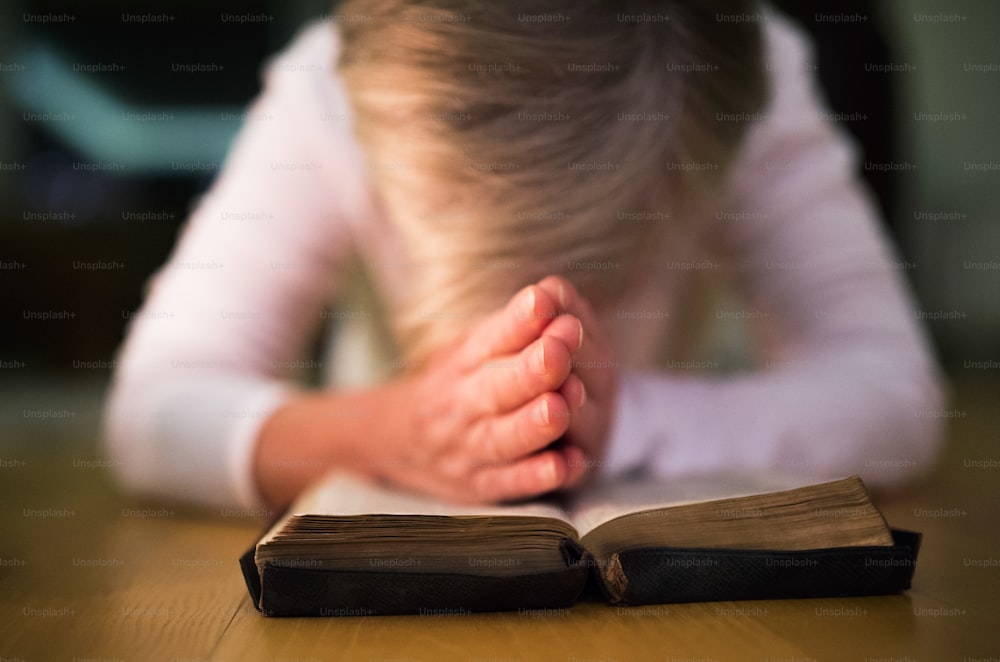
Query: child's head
<point x="510" y="140"/>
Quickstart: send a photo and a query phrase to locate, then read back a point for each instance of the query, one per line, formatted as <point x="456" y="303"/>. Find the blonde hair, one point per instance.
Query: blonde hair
<point x="508" y="139"/>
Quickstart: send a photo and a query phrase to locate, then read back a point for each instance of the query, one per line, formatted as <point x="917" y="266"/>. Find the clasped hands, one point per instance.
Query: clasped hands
<point x="522" y="407"/>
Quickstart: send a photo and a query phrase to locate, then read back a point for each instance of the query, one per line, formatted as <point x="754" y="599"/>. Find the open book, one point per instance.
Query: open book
<point x="350" y="547"/>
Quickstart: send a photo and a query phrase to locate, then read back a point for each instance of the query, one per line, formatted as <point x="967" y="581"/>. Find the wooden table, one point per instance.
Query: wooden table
<point x="88" y="575"/>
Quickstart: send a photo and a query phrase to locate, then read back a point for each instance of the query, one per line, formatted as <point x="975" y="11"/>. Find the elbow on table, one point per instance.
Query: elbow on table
<point x="119" y="437"/>
<point x="909" y="444"/>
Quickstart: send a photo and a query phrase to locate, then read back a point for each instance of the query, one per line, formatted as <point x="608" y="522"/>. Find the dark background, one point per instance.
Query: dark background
<point x="137" y="118"/>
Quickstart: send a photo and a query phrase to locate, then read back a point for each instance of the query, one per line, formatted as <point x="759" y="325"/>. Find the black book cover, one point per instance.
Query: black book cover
<point x="646" y="576"/>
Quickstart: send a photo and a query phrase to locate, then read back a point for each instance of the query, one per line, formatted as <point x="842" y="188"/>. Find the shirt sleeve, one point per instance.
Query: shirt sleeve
<point x="846" y="382"/>
<point x="207" y="358"/>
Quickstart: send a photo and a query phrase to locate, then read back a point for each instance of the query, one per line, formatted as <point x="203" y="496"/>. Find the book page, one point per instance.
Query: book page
<point x="344" y="494"/>
<point x="607" y="500"/>
<point x="346" y="522"/>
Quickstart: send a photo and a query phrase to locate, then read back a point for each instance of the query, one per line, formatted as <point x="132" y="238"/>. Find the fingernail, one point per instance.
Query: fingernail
<point x="562" y="295"/>
<point x="579" y="342"/>
<point x="540" y="359"/>
<point x="583" y="395"/>
<point x="528" y="307"/>
<point x="543" y="412"/>
<point x="548" y="473"/>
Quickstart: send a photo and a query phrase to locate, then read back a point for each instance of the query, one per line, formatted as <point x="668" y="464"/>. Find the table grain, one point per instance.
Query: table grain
<point x="88" y="574"/>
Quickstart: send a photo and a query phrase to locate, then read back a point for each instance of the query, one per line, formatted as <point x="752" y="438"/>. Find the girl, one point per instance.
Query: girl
<point x="539" y="201"/>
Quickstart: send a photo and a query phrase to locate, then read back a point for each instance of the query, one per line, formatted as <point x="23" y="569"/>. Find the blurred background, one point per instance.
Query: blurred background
<point x="113" y="118"/>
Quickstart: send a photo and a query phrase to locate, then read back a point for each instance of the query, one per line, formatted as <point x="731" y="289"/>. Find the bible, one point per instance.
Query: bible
<point x="350" y="547"/>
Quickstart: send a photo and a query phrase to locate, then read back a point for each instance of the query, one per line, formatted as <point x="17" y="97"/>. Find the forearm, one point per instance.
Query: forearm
<point x="187" y="437"/>
<point x="833" y="418"/>
<point x="315" y="432"/>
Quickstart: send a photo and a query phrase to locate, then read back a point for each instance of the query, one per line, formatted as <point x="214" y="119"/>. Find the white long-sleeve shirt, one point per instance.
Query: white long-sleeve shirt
<point x="845" y="383"/>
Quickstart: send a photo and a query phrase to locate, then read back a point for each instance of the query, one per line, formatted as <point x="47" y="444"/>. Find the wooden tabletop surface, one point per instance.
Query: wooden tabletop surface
<point x="86" y="574"/>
